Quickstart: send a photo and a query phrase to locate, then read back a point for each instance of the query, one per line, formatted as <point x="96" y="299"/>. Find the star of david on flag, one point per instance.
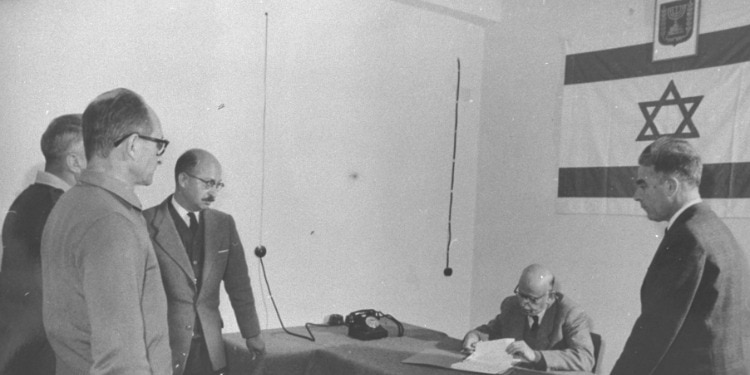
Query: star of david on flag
<point x="617" y="101"/>
<point x="687" y="107"/>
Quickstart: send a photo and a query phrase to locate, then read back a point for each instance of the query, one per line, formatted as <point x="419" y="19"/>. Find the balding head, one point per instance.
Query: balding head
<point x="113" y="115"/>
<point x="536" y="289"/>
<point x="537" y="279"/>
<point x="197" y="179"/>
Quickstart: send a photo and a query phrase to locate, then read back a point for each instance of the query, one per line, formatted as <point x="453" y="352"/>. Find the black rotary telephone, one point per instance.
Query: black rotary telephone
<point x="365" y="325"/>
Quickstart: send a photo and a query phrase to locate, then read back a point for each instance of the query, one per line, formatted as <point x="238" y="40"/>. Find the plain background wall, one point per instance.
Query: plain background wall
<point x="358" y="139"/>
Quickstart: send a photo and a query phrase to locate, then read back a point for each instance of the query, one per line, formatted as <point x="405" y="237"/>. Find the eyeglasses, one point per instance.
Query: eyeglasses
<point x="533" y="300"/>
<point x="161" y="144"/>
<point x="208" y="184"/>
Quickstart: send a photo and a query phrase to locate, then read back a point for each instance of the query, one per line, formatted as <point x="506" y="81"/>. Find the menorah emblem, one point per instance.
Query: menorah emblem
<point x="674" y="14"/>
<point x="676" y="22"/>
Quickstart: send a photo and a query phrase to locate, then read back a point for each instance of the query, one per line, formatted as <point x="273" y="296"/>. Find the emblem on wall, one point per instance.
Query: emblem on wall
<point x="676" y="22"/>
<point x="675" y="29"/>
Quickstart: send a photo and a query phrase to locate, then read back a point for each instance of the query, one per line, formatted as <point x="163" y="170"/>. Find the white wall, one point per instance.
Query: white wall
<point x="359" y="133"/>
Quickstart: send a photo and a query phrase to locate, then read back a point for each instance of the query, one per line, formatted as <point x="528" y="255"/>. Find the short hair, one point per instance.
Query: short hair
<point x="61" y="134"/>
<point x="111" y="116"/>
<point x="674" y="157"/>
<point x="185" y="163"/>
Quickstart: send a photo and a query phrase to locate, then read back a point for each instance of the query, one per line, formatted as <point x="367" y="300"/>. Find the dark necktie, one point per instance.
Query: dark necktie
<point x="535" y="324"/>
<point x="193" y="222"/>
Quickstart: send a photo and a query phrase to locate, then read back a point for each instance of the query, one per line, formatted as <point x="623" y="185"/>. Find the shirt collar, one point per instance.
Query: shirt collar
<point x="47" y="178"/>
<point x="183" y="212"/>
<point x="530" y="320"/>
<point x="541" y="314"/>
<point x="681" y="210"/>
<point x="113" y="185"/>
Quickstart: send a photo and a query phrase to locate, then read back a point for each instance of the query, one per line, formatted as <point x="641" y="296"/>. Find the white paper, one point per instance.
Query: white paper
<point x="489" y="357"/>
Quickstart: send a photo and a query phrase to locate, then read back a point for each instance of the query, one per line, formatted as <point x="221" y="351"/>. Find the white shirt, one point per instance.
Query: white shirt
<point x="184" y="213"/>
<point x="681" y="210"/>
<point x="47" y="178"/>
<point x="530" y="320"/>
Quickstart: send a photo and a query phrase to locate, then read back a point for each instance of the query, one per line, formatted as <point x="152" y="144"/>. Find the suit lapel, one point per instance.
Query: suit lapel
<point x="547" y="325"/>
<point x="167" y="239"/>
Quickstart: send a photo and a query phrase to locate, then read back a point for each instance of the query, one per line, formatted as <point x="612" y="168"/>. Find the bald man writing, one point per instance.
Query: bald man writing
<point x="551" y="332"/>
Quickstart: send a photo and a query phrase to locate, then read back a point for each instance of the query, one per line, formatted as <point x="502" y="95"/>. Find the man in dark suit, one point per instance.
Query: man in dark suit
<point x="198" y="248"/>
<point x="694" y="294"/>
<point x="24" y="348"/>
<point x="551" y="331"/>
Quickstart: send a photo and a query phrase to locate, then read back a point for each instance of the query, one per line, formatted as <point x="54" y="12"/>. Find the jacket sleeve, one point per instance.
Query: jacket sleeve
<point x="673" y="280"/>
<point x="576" y="352"/>
<point x="237" y="285"/>
<point x="494" y="328"/>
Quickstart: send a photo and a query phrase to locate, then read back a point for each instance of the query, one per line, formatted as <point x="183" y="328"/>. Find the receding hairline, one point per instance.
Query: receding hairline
<point x="192" y="159"/>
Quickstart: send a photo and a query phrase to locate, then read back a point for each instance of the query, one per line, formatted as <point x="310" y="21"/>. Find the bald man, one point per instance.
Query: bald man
<point x="551" y="332"/>
<point x="198" y="248"/>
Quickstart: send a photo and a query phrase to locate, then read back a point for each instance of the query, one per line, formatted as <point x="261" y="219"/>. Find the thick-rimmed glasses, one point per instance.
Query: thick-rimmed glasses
<point x="161" y="144"/>
<point x="533" y="300"/>
<point x="208" y="184"/>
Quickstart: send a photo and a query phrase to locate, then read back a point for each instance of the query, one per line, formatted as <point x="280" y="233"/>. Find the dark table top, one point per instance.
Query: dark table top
<point x="335" y="353"/>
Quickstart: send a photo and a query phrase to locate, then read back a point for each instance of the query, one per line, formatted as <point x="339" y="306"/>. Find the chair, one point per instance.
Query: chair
<point x="598" y="352"/>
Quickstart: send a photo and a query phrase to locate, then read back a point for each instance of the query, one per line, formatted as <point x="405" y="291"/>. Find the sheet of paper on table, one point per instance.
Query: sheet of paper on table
<point x="489" y="357"/>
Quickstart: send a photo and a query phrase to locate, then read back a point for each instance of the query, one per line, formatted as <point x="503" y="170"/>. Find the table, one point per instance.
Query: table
<point x="335" y="353"/>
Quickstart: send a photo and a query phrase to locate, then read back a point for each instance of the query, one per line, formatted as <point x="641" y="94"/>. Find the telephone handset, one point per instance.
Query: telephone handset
<point x="365" y="324"/>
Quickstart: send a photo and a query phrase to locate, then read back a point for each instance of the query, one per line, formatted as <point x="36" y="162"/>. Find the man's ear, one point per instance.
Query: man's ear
<point x="182" y="179"/>
<point x="75" y="163"/>
<point x="129" y="145"/>
<point x="673" y="184"/>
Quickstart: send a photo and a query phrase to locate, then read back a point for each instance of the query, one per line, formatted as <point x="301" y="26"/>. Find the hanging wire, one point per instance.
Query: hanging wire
<point x="260" y="250"/>
<point x="448" y="270"/>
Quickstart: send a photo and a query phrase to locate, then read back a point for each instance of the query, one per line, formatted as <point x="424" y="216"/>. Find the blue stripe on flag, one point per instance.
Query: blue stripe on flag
<point x="723" y="180"/>
<point x="714" y="49"/>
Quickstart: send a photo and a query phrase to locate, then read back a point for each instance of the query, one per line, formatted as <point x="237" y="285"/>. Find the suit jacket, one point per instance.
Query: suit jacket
<point x="23" y="344"/>
<point x="693" y="303"/>
<point x="104" y="306"/>
<point x="563" y="336"/>
<point x="224" y="260"/>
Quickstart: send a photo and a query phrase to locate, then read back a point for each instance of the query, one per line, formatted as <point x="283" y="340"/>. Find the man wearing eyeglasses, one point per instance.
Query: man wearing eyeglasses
<point x="551" y="331"/>
<point x="104" y="307"/>
<point x="198" y="248"/>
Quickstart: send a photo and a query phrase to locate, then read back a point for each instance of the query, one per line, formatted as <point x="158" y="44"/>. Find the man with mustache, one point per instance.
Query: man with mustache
<point x="551" y="331"/>
<point x="198" y="248"/>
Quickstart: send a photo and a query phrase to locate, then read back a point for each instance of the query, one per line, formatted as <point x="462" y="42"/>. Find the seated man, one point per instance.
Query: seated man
<point x="551" y="332"/>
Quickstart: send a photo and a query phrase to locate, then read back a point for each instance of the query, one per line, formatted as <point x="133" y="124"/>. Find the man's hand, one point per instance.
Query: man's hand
<point x="256" y="346"/>
<point x="470" y="341"/>
<point x="522" y="350"/>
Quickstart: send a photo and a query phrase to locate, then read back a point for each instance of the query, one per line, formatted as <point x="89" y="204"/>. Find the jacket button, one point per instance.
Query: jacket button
<point x="183" y="354"/>
<point x="188" y="327"/>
